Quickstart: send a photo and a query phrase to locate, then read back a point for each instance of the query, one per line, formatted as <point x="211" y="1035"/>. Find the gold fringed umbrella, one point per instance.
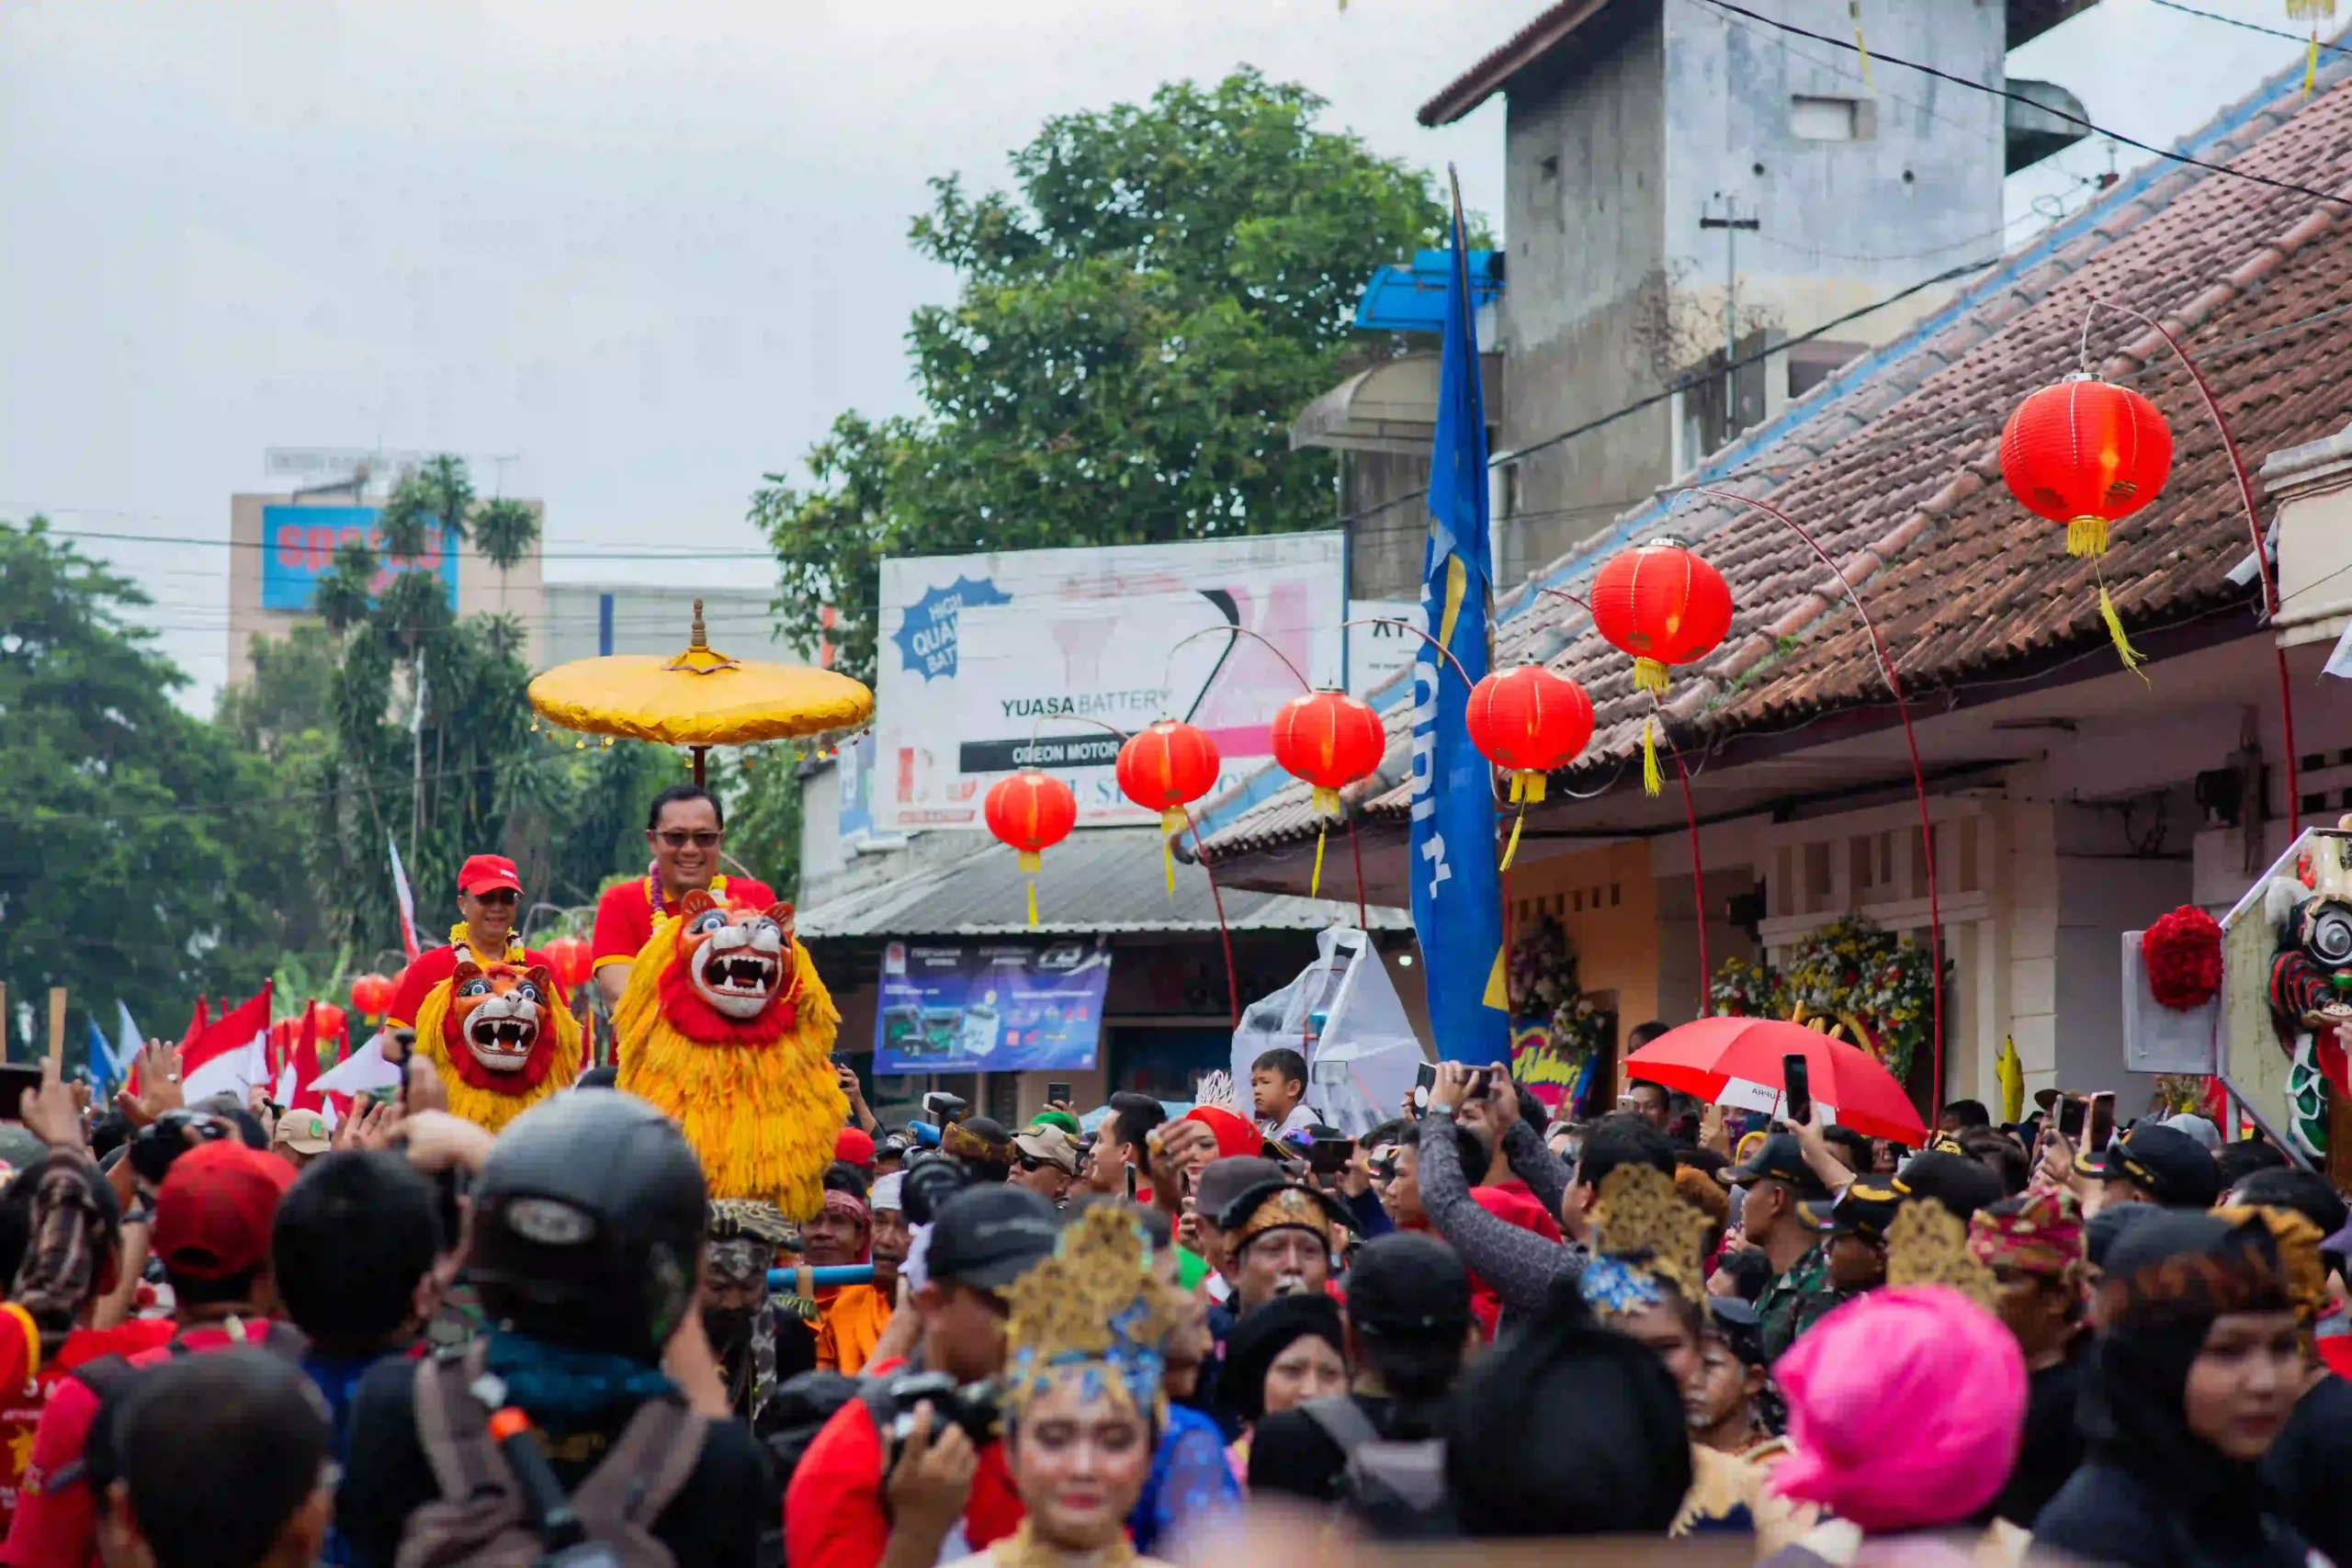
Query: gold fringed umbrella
<point x="699" y="699"/>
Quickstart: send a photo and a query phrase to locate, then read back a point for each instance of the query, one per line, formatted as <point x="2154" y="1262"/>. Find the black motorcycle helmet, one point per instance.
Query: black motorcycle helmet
<point x="588" y="1225"/>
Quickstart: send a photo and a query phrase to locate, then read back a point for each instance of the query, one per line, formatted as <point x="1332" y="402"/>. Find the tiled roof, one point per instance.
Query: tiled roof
<point x="1099" y="879"/>
<point x="1892" y="466"/>
<point x="1522" y="49"/>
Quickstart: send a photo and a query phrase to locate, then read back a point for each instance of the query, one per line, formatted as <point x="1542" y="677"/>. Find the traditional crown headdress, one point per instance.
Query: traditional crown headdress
<point x="1218" y="1090"/>
<point x="1650" y="1243"/>
<point x="1093" y="1311"/>
<point x="2298" y="1241"/>
<point x="1928" y="1245"/>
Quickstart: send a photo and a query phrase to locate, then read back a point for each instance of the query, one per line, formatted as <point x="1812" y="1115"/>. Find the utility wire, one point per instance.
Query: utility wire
<point x="2300" y="39"/>
<point x="1974" y="85"/>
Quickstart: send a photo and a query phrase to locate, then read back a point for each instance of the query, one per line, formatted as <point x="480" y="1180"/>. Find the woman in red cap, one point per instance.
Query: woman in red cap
<point x="490" y="896"/>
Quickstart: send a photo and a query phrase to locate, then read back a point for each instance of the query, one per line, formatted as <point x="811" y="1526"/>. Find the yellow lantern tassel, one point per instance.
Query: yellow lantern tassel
<point x="2311" y="63"/>
<point x="2086" y="536"/>
<point x="1652" y="780"/>
<point x="1854" y="9"/>
<point x="1032" y="862"/>
<point x="1323" y="802"/>
<point x="2132" y="656"/>
<point x="1033" y="903"/>
<point x="1512" y="848"/>
<point x="1649" y="675"/>
<point x="1315" y="884"/>
<point x="1172" y="822"/>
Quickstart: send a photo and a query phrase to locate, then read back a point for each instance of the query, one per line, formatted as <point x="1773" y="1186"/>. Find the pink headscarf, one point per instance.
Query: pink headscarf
<point x="1905" y="1409"/>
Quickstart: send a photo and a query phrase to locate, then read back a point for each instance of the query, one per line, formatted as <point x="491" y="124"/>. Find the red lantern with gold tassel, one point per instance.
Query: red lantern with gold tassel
<point x="370" y="995"/>
<point x="1530" y="721"/>
<point x="2087" y="454"/>
<point x="1165" y="767"/>
<point x="1663" y="605"/>
<point x="1329" y="740"/>
<point x="1032" y="812"/>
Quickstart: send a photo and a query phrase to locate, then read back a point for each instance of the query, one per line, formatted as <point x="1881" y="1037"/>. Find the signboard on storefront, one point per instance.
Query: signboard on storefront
<point x="990" y="1006"/>
<point x="299" y="542"/>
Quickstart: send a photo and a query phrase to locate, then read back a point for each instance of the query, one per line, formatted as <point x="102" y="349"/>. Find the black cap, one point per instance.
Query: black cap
<point x="989" y="1236"/>
<point x="1781" y="1157"/>
<point x="1740" y="1327"/>
<point x="1869" y="1206"/>
<point x="1223" y="1180"/>
<point x="1407" y="1286"/>
<point x="2168" y="1163"/>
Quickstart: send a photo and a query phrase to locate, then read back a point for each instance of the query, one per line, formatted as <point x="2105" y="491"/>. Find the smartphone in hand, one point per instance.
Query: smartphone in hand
<point x="1796" y="1079"/>
<point x="1424" y="1080"/>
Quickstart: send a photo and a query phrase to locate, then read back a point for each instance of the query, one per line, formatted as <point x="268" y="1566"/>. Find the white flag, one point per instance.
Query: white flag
<point x="408" y="899"/>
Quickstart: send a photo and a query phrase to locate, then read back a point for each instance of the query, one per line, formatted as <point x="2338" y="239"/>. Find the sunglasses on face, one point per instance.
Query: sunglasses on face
<point x="700" y="837"/>
<point x="504" y="896"/>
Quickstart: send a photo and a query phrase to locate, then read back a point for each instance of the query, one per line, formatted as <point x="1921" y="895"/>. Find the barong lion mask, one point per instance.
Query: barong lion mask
<point x="495" y="1013"/>
<point x="736" y="957"/>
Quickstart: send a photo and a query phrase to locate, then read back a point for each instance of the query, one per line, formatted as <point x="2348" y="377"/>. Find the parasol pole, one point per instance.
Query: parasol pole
<point x="698" y="752"/>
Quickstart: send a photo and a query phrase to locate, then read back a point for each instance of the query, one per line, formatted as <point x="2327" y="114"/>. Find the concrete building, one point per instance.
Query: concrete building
<point x="1675" y="176"/>
<point x="589" y="620"/>
<point x="279" y="545"/>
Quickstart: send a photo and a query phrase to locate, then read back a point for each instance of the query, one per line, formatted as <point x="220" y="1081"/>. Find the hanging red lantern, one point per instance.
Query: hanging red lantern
<point x="370" y="995"/>
<point x="1530" y="721"/>
<point x="1032" y="812"/>
<point x="1165" y="767"/>
<point x="568" y="957"/>
<point x="1329" y="740"/>
<point x="2087" y="454"/>
<point x="1661" y="604"/>
<point x="330" y="1019"/>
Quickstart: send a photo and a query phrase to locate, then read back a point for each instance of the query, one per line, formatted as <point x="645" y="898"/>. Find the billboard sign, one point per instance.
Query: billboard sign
<point x="1044" y="658"/>
<point x="990" y="1008"/>
<point x="299" y="542"/>
<point x="854" y="778"/>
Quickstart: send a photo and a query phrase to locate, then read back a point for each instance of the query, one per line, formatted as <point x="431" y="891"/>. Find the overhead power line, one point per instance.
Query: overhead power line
<point x="1975" y="87"/>
<point x="2303" y="39"/>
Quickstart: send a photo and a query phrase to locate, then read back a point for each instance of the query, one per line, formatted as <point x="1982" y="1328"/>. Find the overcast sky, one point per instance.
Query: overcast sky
<point x="649" y="251"/>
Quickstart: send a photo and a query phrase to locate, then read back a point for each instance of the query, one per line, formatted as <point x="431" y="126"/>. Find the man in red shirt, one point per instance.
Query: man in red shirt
<point x="490" y="893"/>
<point x="840" y="1511"/>
<point x="685" y="830"/>
<point x="213" y="1216"/>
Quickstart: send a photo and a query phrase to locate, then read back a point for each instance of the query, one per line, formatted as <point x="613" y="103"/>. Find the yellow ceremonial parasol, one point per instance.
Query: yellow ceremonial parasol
<point x="699" y="699"/>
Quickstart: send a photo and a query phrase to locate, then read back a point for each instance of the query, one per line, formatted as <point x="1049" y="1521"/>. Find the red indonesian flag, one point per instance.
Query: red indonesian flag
<point x="300" y="1069"/>
<point x="233" y="1052"/>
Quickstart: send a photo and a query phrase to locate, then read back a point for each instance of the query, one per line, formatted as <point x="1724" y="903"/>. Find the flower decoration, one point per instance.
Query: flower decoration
<point x="2182" y="952"/>
<point x="1850" y="970"/>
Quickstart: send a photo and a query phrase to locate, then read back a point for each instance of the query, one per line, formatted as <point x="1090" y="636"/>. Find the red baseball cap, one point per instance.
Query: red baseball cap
<point x="485" y="873"/>
<point x="855" y="1145"/>
<point x="214" y="1212"/>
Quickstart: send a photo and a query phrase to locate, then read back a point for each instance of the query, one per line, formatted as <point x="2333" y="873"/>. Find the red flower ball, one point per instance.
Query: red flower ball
<point x="2182" y="952"/>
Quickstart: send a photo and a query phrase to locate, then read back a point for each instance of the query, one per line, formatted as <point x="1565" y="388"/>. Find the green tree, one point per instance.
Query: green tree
<point x="281" y="711"/>
<point x="1134" y="331"/>
<point x="142" y="852"/>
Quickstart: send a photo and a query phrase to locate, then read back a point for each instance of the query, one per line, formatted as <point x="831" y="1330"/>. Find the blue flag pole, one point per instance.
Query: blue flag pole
<point x="1457" y="890"/>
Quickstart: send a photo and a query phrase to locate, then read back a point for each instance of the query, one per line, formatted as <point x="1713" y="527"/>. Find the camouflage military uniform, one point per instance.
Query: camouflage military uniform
<point x="1785" y="1296"/>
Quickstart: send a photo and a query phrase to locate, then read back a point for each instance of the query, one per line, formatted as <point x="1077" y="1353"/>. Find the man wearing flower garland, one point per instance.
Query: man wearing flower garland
<point x="684" y="831"/>
<point x="489" y="895"/>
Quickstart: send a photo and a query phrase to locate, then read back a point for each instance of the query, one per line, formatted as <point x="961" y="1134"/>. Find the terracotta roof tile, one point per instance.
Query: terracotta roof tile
<point x="1897" y="474"/>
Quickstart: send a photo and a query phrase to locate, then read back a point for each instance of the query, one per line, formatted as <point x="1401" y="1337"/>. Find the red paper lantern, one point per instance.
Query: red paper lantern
<point x="1165" y="768"/>
<point x="330" y="1020"/>
<point x="568" y="956"/>
<point x="1663" y="605"/>
<point x="1032" y="812"/>
<point x="370" y="995"/>
<point x="1530" y="721"/>
<point x="2086" y="454"/>
<point x="1330" y="740"/>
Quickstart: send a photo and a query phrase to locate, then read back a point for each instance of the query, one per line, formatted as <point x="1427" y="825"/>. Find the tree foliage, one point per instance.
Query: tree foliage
<point x="1134" y="331"/>
<point x="142" y="852"/>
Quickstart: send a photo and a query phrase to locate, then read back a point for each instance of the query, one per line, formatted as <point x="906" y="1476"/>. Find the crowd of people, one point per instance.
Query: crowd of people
<point x="1121" y="1336"/>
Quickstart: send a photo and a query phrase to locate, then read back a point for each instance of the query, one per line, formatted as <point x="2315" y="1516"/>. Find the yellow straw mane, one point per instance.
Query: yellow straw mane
<point x="487" y="1107"/>
<point x="762" y="1118"/>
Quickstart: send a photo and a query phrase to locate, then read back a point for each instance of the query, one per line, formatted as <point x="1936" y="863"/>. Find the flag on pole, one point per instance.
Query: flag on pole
<point x="101" y="1062"/>
<point x="297" y="1077"/>
<point x="1457" y="891"/>
<point x="408" y="899"/>
<point x="127" y="1041"/>
<point x="232" y="1055"/>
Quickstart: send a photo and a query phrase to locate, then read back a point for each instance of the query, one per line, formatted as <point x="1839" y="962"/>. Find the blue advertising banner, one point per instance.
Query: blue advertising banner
<point x="299" y="542"/>
<point x="990" y="1008"/>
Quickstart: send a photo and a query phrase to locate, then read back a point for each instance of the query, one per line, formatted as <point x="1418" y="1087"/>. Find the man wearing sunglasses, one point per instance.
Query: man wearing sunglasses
<point x="685" y="832"/>
<point x="490" y="898"/>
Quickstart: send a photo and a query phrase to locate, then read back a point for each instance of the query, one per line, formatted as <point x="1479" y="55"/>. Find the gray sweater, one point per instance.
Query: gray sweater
<point x="1518" y="1264"/>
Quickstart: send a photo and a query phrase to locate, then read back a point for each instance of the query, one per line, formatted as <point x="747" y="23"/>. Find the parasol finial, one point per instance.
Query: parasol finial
<point x="700" y="658"/>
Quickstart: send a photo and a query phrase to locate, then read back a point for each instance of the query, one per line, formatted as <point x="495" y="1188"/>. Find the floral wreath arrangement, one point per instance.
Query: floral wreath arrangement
<point x="1847" y="970"/>
<point x="1544" y="989"/>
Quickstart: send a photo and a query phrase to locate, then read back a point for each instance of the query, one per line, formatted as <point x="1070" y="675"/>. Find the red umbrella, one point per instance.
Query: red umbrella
<point x="1736" y="1062"/>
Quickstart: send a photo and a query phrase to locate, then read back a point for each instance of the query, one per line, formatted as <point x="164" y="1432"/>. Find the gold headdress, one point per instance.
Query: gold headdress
<point x="1092" y="1310"/>
<point x="1928" y="1245"/>
<point x="1649" y="1242"/>
<point x="2298" y="1241"/>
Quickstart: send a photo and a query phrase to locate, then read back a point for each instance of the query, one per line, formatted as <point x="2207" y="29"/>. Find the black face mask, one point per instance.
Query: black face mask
<point x="728" y="1328"/>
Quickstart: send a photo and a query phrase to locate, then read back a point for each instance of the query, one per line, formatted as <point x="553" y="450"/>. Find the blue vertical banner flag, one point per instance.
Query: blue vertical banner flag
<point x="1457" y="891"/>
